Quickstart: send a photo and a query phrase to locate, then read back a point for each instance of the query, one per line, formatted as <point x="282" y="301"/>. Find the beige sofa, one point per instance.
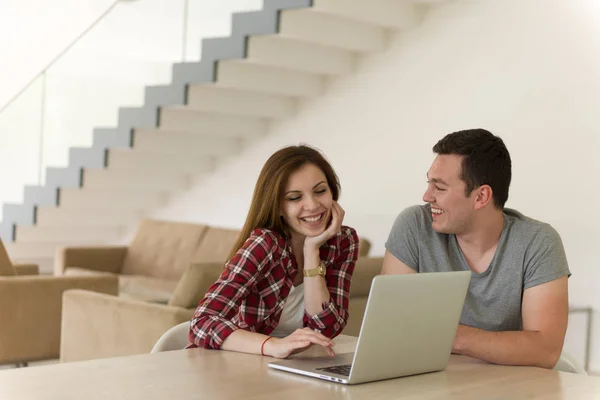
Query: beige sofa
<point x="31" y="308"/>
<point x="151" y="266"/>
<point x="365" y="270"/>
<point x="99" y="326"/>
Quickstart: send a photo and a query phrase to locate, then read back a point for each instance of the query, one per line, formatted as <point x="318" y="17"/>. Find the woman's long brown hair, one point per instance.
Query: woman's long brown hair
<point x="266" y="201"/>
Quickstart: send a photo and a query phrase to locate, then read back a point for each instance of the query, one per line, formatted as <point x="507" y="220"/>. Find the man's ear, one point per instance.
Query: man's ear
<point x="484" y="195"/>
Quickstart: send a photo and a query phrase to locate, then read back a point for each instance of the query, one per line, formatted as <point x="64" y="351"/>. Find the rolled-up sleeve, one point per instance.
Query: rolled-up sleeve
<point x="332" y="320"/>
<point x="215" y="318"/>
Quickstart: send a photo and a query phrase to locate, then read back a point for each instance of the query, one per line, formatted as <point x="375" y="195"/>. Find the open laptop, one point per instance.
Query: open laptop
<point x="408" y="328"/>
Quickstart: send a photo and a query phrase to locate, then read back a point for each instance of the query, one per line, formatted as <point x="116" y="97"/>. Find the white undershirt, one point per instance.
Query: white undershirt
<point x="293" y="313"/>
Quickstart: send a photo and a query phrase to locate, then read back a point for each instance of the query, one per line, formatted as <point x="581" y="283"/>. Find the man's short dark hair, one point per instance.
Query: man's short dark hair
<point x="486" y="161"/>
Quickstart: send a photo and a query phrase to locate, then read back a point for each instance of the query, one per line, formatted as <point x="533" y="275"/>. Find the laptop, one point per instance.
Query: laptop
<point x="408" y="328"/>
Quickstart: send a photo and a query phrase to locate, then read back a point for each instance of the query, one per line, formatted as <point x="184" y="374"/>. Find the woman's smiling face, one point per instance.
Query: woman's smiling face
<point x="307" y="201"/>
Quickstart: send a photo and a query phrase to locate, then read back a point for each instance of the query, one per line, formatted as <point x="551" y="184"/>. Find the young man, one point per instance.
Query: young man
<point x="516" y="308"/>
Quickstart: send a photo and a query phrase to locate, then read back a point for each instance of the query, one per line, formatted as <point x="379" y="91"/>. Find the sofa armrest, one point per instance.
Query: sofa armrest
<point x="30" y="313"/>
<point x="100" y="258"/>
<point x="27" y="269"/>
<point x="99" y="326"/>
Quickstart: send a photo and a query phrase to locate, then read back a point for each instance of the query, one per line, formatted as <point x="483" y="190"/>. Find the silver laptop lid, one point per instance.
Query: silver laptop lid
<point x="409" y="325"/>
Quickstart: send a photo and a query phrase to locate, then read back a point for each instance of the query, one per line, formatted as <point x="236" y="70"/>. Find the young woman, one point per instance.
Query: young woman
<point x="286" y="285"/>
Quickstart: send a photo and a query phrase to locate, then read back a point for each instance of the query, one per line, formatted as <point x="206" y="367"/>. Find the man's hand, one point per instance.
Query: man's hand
<point x="462" y="337"/>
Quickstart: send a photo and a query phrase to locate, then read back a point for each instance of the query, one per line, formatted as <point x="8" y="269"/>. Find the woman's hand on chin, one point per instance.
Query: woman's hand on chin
<point x="312" y="243"/>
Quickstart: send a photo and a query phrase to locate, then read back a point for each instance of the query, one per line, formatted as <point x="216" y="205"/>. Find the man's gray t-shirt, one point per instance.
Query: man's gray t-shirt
<point x="529" y="253"/>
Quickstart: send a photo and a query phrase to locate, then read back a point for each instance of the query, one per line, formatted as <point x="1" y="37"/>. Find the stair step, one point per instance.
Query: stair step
<point x="221" y="99"/>
<point x="395" y="14"/>
<point x="244" y="74"/>
<point x="297" y="55"/>
<point x="117" y="198"/>
<point x="330" y="30"/>
<point x="18" y="251"/>
<point x="153" y="161"/>
<point x="77" y="217"/>
<point x="184" y="143"/>
<point x="180" y="118"/>
<point x="111" y="178"/>
<point x="45" y="234"/>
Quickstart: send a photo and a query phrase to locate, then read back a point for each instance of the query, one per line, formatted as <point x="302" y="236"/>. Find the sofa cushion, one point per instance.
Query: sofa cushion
<point x="162" y="249"/>
<point x="365" y="270"/>
<point x="138" y="287"/>
<point x="194" y="284"/>
<point x="75" y="271"/>
<point x="6" y="267"/>
<point x="146" y="288"/>
<point x="216" y="245"/>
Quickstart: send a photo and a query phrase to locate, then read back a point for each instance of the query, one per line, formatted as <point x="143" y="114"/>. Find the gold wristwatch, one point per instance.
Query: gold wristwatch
<point x="320" y="270"/>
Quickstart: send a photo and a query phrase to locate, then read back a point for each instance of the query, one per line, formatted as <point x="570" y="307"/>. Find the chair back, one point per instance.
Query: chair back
<point x="175" y="338"/>
<point x="566" y="363"/>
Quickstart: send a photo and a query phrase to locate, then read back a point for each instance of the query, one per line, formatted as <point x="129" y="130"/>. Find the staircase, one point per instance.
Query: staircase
<point x="275" y="60"/>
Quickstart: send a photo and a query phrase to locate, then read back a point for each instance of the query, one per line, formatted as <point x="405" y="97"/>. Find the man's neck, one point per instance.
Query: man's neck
<point x="484" y="235"/>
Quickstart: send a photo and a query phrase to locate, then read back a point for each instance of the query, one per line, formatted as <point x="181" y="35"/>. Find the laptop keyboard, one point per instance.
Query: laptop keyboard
<point x="338" y="369"/>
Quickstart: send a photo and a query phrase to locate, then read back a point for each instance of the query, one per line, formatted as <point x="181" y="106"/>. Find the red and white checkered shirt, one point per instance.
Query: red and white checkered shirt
<point x="251" y="292"/>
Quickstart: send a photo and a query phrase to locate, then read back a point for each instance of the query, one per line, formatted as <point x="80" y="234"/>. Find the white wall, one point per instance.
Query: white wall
<point x="108" y="67"/>
<point x="133" y="46"/>
<point x="528" y="70"/>
<point x="33" y="32"/>
<point x="38" y="30"/>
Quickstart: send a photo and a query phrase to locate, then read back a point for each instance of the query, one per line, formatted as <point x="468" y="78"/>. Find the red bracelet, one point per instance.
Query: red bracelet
<point x="262" y="348"/>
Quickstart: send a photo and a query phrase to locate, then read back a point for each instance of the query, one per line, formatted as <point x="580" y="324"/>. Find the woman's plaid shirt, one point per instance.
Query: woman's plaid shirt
<point x="251" y="292"/>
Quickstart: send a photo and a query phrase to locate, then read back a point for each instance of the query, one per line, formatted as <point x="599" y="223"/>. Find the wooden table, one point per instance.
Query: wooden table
<point x="197" y="373"/>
